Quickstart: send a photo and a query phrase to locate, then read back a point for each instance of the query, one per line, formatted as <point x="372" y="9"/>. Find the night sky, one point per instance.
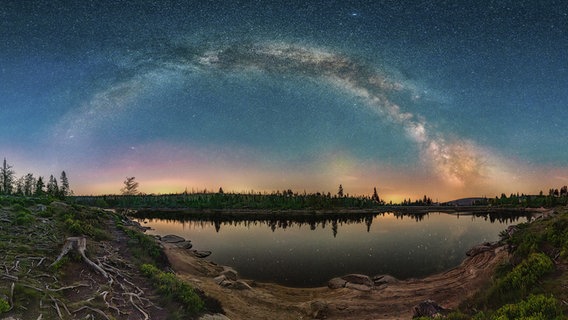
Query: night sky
<point x="444" y="98"/>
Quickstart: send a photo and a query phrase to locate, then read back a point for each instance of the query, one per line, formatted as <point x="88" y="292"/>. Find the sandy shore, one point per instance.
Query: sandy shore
<point x="388" y="301"/>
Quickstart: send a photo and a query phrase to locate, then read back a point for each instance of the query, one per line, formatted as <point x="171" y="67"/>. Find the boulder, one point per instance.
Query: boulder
<point x="336" y="283"/>
<point x="487" y="246"/>
<point x="230" y="274"/>
<point x="241" y="285"/>
<point x="428" y="308"/>
<point x="185" y="244"/>
<point x="384" y="279"/>
<point x="201" y="254"/>
<point x="171" y="238"/>
<point x="218" y="280"/>
<point x="356" y="286"/>
<point x="358" y="279"/>
<point x="318" y="309"/>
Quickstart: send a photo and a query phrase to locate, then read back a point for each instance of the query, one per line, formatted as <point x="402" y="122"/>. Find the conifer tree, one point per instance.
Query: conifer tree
<point x="52" y="187"/>
<point x="130" y="187"/>
<point x="64" y="191"/>
<point x="375" y="196"/>
<point x="39" y="187"/>
<point x="29" y="184"/>
<point x="6" y="178"/>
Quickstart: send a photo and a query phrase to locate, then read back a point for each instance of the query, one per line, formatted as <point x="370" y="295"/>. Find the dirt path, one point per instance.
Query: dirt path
<point x="388" y="301"/>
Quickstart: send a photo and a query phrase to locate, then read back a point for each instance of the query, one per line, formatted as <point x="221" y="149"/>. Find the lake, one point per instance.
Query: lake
<point x="307" y="253"/>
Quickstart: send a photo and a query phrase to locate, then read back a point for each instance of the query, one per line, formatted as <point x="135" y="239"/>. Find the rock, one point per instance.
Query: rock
<point x="59" y="205"/>
<point x="336" y="283"/>
<point x="216" y="316"/>
<point x="318" y="309"/>
<point x="241" y="285"/>
<point x="359" y="279"/>
<point x="384" y="279"/>
<point x="356" y="286"/>
<point x="226" y="283"/>
<point x="185" y="244"/>
<point x="480" y="248"/>
<point x="201" y="254"/>
<point x="229" y="274"/>
<point x="218" y="280"/>
<point x="171" y="238"/>
<point x="428" y="308"/>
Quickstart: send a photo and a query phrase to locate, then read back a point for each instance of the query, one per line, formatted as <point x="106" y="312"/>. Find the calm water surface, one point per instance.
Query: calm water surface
<point x="309" y="254"/>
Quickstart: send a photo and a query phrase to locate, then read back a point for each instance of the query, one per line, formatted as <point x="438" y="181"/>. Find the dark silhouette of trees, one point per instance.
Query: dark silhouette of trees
<point x="130" y="187"/>
<point x="39" y="187"/>
<point x="52" y="187"/>
<point x="375" y="196"/>
<point x="340" y="191"/>
<point x="29" y="184"/>
<point x="7" y="175"/>
<point x="64" y="191"/>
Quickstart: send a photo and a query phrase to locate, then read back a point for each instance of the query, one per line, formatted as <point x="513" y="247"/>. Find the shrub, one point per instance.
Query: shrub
<point x="535" y="307"/>
<point x="526" y="274"/>
<point x="173" y="288"/>
<point x="23" y="217"/>
<point x="519" y="281"/>
<point x="4" y="306"/>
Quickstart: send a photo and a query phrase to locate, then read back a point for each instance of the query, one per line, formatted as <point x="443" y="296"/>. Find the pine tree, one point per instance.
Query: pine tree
<point x="375" y="196"/>
<point x="6" y="178"/>
<point x="39" y="187"/>
<point x="64" y="191"/>
<point x="52" y="187"/>
<point x="130" y="187"/>
<point x="29" y="184"/>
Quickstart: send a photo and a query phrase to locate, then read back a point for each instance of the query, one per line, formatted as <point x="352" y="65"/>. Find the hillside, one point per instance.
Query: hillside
<point x="108" y="282"/>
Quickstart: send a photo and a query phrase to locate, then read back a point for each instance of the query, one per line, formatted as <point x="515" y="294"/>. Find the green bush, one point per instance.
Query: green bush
<point x="535" y="307"/>
<point x="173" y="288"/>
<point x="145" y="247"/>
<point x="4" y="306"/>
<point x="526" y="274"/>
<point x="519" y="281"/>
<point x="23" y="217"/>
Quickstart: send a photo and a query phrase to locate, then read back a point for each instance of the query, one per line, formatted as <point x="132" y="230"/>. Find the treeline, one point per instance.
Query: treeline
<point x="280" y="200"/>
<point x="555" y="197"/>
<point x="29" y="185"/>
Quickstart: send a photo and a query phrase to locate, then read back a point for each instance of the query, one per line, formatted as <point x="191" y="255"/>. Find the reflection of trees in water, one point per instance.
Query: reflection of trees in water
<point x="321" y="221"/>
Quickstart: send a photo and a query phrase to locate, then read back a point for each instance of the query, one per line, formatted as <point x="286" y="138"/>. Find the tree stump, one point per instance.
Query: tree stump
<point x="79" y="244"/>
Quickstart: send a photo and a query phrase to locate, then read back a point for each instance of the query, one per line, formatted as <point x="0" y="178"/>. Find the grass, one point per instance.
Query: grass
<point x="174" y="289"/>
<point x="531" y="284"/>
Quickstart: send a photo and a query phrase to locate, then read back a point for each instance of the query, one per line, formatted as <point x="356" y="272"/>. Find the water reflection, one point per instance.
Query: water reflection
<point x="321" y="221"/>
<point x="309" y="250"/>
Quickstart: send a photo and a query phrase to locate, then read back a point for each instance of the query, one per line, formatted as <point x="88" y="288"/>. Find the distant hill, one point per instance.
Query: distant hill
<point x="466" y="201"/>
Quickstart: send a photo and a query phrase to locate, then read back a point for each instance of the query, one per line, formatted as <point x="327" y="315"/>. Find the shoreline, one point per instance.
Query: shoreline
<point x="392" y="299"/>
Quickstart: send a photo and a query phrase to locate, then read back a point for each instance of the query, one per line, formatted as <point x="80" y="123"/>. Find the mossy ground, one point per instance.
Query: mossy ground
<point x="32" y="233"/>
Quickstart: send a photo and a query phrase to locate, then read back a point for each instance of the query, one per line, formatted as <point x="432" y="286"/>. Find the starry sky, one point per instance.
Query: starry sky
<point x="444" y="98"/>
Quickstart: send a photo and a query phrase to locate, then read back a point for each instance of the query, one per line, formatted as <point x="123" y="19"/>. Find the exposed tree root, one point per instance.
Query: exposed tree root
<point x="79" y="244"/>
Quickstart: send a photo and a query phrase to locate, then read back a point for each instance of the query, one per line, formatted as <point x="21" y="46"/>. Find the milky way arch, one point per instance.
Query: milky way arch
<point x="458" y="162"/>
